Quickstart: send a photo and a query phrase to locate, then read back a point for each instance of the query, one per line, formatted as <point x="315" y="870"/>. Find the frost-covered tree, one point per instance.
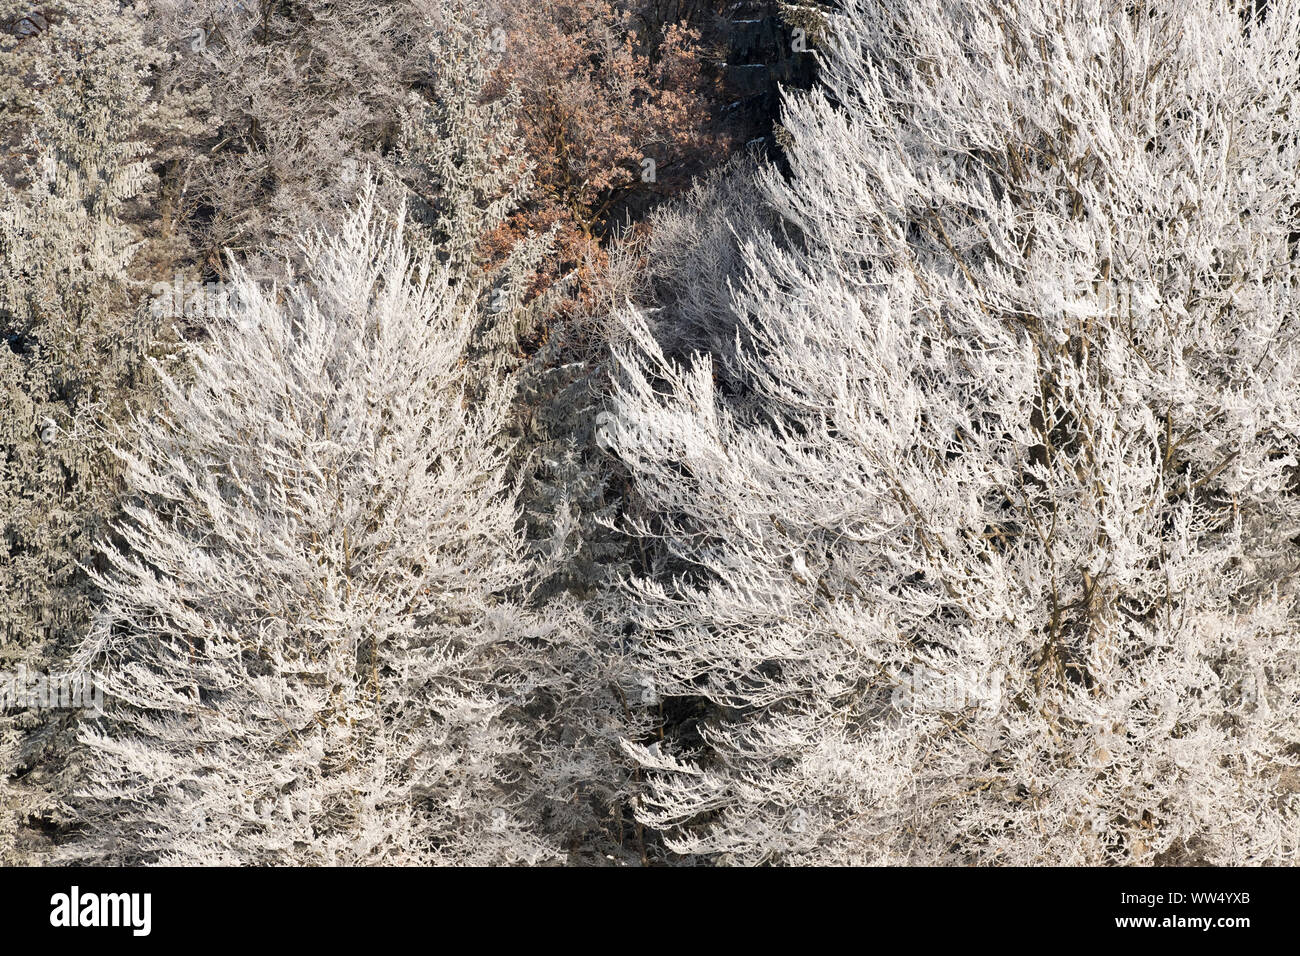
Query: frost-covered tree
<point x="459" y="150"/>
<point x="572" y="493"/>
<point x="72" y="343"/>
<point x="308" y="639"/>
<point x="295" y="100"/>
<point x="994" y="558"/>
<point x="460" y="153"/>
<point x="694" y="255"/>
<point x="67" y="311"/>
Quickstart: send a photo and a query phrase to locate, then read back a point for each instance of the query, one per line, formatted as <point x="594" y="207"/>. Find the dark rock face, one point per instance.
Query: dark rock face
<point x="29" y="25"/>
<point x="769" y="46"/>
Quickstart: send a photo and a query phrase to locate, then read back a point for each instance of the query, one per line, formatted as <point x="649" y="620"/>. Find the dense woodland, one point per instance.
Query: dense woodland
<point x="650" y="432"/>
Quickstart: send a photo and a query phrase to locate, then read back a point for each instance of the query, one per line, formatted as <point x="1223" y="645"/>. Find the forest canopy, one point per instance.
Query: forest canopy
<point x="621" y="432"/>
